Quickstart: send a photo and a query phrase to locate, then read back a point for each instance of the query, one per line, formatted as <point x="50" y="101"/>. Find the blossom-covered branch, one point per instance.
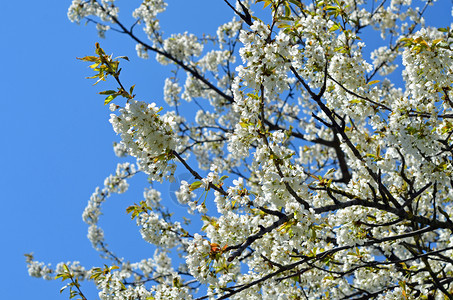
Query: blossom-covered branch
<point x="313" y="172"/>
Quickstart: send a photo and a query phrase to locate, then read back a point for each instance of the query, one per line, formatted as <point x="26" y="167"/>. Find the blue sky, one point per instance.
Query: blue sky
<point x="57" y="141"/>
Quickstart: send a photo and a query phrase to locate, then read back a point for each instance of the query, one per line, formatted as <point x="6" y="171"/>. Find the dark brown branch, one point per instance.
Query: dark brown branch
<point x="339" y="129"/>
<point x="320" y="256"/>
<point x="246" y="17"/>
<point x="275" y="160"/>
<point x="263" y="230"/>
<point x="198" y="176"/>
<point x="360" y="97"/>
<point x="192" y="71"/>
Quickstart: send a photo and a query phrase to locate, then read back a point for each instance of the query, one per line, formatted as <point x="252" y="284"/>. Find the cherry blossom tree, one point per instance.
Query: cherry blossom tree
<point x="320" y="170"/>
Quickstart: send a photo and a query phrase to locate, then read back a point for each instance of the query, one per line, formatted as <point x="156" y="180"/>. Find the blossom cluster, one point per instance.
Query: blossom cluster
<point x="339" y="176"/>
<point x="147" y="13"/>
<point x="115" y="183"/>
<point x="180" y="47"/>
<point x="147" y="136"/>
<point x="104" y="10"/>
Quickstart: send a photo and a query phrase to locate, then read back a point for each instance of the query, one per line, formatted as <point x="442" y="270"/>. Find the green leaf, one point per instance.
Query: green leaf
<point x="109" y="92"/>
<point x="89" y="58"/>
<point x="243" y="124"/>
<point x="195" y="185"/>
<point x="110" y="98"/>
<point x="131" y="208"/>
<point x="334" y="27"/>
<point x="267" y="3"/>
<point x="295" y="2"/>
<point x="373" y="82"/>
<point x="63" y="288"/>
<point x="437" y="41"/>
<point x="65" y="267"/>
<point x="62" y="276"/>
<point x="223" y="178"/>
<point x="287" y="10"/>
<point x="330" y="171"/>
<point x="283" y="25"/>
<point x="330" y="7"/>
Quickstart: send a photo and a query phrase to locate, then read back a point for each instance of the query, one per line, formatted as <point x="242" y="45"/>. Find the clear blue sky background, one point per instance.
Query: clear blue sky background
<point x="56" y="144"/>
